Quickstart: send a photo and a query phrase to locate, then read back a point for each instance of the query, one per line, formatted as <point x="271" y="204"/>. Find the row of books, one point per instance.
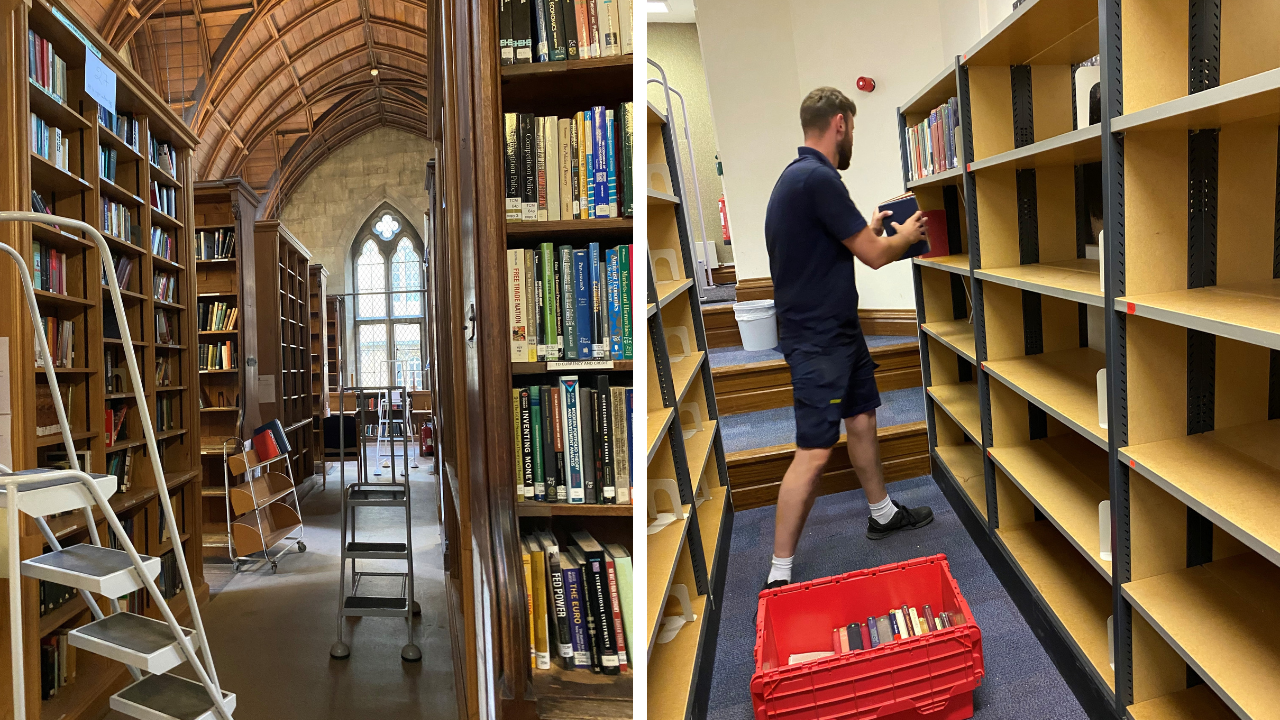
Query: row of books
<point x="164" y="371"/>
<point x="579" y="600"/>
<point x="164" y="286"/>
<point x="45" y="67"/>
<point x="270" y="441"/>
<point x="48" y="142"/>
<point x="124" y="125"/>
<point x="552" y="30"/>
<point x="166" y="416"/>
<point x="164" y="199"/>
<point x="163" y="245"/>
<point x="54" y="596"/>
<point x="164" y="156"/>
<point x="117" y="220"/>
<point x="567" y="304"/>
<point x="107" y="162"/>
<point x="57" y="663"/>
<point x="216" y="244"/>
<point x="217" y="316"/>
<point x="47" y="412"/>
<point x="573" y="442"/>
<point x="116" y="413"/>
<point x="48" y="268"/>
<point x="897" y="624"/>
<point x="120" y="464"/>
<point x="124" y="270"/>
<point x="166" y="327"/>
<point x="568" y="168"/>
<point x="60" y="335"/>
<point x="219" y="356"/>
<point x="933" y="144"/>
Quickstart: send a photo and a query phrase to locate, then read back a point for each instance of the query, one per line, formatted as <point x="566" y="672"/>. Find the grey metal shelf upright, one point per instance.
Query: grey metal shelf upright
<point x="688" y="541"/>
<point x="1190" y="343"/>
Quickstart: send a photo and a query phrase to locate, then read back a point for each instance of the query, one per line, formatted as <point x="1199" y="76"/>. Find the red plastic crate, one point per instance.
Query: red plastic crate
<point x="927" y="677"/>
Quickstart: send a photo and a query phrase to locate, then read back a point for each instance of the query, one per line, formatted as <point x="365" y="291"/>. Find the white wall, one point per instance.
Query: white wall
<point x="757" y="76"/>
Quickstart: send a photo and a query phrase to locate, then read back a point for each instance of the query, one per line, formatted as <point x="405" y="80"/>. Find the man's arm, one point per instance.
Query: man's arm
<point x="875" y="251"/>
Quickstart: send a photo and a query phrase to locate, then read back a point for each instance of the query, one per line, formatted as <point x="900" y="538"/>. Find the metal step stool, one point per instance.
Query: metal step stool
<point x="142" y="644"/>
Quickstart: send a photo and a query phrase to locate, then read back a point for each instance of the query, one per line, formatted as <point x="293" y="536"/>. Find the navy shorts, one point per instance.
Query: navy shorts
<point x="829" y="386"/>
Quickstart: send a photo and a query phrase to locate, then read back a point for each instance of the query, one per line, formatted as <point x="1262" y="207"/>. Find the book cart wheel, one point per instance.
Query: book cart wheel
<point x="302" y="547"/>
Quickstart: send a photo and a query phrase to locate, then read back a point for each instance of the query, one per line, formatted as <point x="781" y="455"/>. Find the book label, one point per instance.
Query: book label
<point x="581" y="365"/>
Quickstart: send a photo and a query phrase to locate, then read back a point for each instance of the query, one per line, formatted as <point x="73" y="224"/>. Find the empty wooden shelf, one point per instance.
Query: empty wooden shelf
<point x="259" y="530"/>
<point x="964" y="462"/>
<point x="1063" y="384"/>
<point x="1074" y="280"/>
<point x="1249" y="312"/>
<point x="955" y="334"/>
<point x="960" y="401"/>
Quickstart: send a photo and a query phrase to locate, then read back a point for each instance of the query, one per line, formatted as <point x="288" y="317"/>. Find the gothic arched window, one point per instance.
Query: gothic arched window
<point x="388" y="276"/>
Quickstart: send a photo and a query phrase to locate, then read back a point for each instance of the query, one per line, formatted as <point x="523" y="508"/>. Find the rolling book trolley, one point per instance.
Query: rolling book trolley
<point x="262" y="508"/>
<point x="141" y="643"/>
<point x="366" y="492"/>
<point x="690" y="504"/>
<point x="1130" y="517"/>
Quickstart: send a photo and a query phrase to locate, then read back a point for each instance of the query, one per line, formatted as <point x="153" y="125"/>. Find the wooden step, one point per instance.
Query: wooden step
<point x="754" y="475"/>
<point x="722" y="326"/>
<point x="767" y="384"/>
<point x="724" y="275"/>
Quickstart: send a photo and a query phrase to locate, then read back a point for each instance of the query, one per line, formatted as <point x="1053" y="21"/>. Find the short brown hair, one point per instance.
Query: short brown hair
<point x="821" y="105"/>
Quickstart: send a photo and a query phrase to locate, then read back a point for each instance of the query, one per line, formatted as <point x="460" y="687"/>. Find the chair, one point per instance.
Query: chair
<point x="341" y="441"/>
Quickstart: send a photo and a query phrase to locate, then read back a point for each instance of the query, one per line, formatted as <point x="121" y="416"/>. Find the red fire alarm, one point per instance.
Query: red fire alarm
<point x="866" y="84"/>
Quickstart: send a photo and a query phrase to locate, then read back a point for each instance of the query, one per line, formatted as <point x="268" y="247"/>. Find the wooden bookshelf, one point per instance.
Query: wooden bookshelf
<point x="1183" y="324"/>
<point x="78" y="192"/>
<point x="318" y="324"/>
<point x="229" y="407"/>
<point x="284" y="347"/>
<point x="686" y="448"/>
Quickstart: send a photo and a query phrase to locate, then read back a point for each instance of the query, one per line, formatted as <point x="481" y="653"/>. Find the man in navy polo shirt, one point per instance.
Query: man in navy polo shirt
<point x="813" y="232"/>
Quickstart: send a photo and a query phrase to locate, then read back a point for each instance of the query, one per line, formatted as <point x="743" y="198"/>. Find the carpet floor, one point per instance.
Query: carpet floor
<point x="764" y="428"/>
<point x="725" y="356"/>
<point x="270" y="633"/>
<point x="1020" y="683"/>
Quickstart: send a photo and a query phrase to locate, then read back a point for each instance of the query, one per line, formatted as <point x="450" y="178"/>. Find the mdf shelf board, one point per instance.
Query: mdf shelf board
<point x="1255" y="98"/>
<point x="1249" y="312"/>
<point x="1230" y="476"/>
<point x="1195" y="703"/>
<point x="1062" y="383"/>
<point x="960" y="401"/>
<point x="1069" y="586"/>
<point x="964" y="462"/>
<point x="956" y="335"/>
<point x="697" y="448"/>
<point x="951" y="263"/>
<point x="1052" y="32"/>
<point x="650" y="309"/>
<point x="684" y="371"/>
<point x="671" y="687"/>
<point x="1055" y="473"/>
<point x="1214" y="615"/>
<point x="532" y="508"/>
<point x="710" y="518"/>
<point x="668" y="289"/>
<point x="1074" y="280"/>
<point x="656" y="116"/>
<point x="664" y="549"/>
<point x="657" y="197"/>
<point x="937" y="91"/>
<point x="658" y="421"/>
<point x="1072" y="148"/>
<point x="954" y="176"/>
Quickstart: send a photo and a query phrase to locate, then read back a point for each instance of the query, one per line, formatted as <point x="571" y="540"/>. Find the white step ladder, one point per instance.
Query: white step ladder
<point x="365" y="492"/>
<point x="142" y="644"/>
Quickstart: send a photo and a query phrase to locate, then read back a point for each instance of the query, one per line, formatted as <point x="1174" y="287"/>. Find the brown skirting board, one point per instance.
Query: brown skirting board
<point x="765" y="385"/>
<point x="888" y="322"/>
<point x="755" y="289"/>
<point x="754" y="475"/>
<point x="724" y="275"/>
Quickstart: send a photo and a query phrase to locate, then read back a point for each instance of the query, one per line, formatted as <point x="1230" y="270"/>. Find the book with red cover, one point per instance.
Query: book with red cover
<point x="265" y="444"/>
<point x="277" y="431"/>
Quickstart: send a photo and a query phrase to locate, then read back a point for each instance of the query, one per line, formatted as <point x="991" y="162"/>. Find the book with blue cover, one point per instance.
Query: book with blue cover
<point x="611" y="163"/>
<point x="588" y="125"/>
<point x="582" y="302"/>
<point x="903" y="207"/>
<point x="600" y="164"/>
<point x="597" y="302"/>
<point x="570" y="411"/>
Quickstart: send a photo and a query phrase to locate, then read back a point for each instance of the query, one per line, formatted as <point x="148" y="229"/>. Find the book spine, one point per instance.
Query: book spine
<point x="516" y="305"/>
<point x="536" y="321"/>
<point x="555" y="30"/>
<point x="511" y="152"/>
<point x="559" y="604"/>
<point x="588" y="136"/>
<point x="599" y="164"/>
<point x="582" y="303"/>
<point x="572" y="438"/>
<point x="624" y="282"/>
<point x="568" y="18"/>
<point x="621" y="455"/>
<point x="526" y="442"/>
<point x="553" y="164"/>
<point x="547" y="294"/>
<point x="597" y="301"/>
<point x="542" y="654"/>
<point x="611" y="160"/>
<point x="871" y="630"/>
<point x="608" y="40"/>
<point x="506" y="41"/>
<point x="518" y="437"/>
<point x="546" y="446"/>
<point x="541" y="28"/>
<point x="602" y="610"/>
<point x="535" y="443"/>
<point x="522" y="29"/>
<point x="584" y="165"/>
<point x="528" y="167"/>
<point x="568" y="303"/>
<point x="565" y="168"/>
<point x="593" y="28"/>
<point x="587" y="415"/>
<point x="628" y="156"/>
<point x="575" y="198"/>
<point x="540" y="140"/>
<point x="614" y="600"/>
<point x="557" y="442"/>
<point x="530" y="306"/>
<point x="577" y="611"/>
<point x="608" y="493"/>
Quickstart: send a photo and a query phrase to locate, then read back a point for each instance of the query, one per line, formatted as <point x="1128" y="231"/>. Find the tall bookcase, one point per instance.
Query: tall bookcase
<point x="688" y="542"/>
<point x="229" y="407"/>
<point x="89" y="390"/>
<point x="562" y="89"/>
<point x="317" y="288"/>
<point x="1184" y="325"/>
<point x="284" y="347"/>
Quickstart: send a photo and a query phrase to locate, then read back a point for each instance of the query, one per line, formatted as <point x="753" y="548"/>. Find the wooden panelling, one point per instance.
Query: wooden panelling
<point x="755" y="475"/>
<point x="724" y="275"/>
<point x="888" y="322"/>
<point x="755" y="289"/>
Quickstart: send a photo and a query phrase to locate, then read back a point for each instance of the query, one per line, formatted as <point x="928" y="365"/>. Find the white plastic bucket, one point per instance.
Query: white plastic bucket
<point x="757" y="324"/>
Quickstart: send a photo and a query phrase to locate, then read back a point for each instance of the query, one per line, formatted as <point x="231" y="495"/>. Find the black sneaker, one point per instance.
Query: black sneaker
<point x="775" y="584"/>
<point x="905" y="519"/>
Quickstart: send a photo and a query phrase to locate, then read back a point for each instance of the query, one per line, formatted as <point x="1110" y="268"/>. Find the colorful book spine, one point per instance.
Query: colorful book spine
<point x="624" y="281"/>
<point x="572" y="438"/>
<point x="589" y="145"/>
<point x="535" y="443"/>
<point x="599" y="164"/>
<point x="549" y="337"/>
<point x="568" y="303"/>
<point x="615" y="304"/>
<point x="597" y="301"/>
<point x="582" y="302"/>
<point x="526" y="442"/>
<point x="576" y="605"/>
<point x="611" y="162"/>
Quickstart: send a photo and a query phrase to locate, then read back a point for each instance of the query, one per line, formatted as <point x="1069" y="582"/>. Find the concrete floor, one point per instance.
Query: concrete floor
<point x="270" y="634"/>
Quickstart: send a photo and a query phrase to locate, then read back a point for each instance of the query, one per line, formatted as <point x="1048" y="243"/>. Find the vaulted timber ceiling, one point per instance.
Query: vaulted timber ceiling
<point x="272" y="87"/>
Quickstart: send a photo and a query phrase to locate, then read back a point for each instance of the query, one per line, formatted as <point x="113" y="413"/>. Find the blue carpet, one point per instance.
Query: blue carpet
<point x="763" y="428"/>
<point x="722" y="357"/>
<point x="1021" y="682"/>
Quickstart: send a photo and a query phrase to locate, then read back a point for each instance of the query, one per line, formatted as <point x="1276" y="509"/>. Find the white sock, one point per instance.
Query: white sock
<point x="883" y="511"/>
<point x="780" y="569"/>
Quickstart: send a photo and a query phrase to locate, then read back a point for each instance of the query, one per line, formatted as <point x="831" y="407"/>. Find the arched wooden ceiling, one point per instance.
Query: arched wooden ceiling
<point x="272" y="87"/>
